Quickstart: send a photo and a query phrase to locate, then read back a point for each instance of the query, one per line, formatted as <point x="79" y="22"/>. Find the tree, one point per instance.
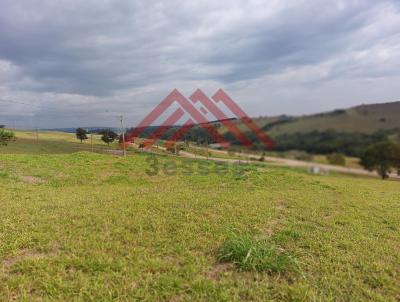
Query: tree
<point x="381" y="157"/>
<point x="81" y="134"/>
<point x="6" y="137"/>
<point x="108" y="136"/>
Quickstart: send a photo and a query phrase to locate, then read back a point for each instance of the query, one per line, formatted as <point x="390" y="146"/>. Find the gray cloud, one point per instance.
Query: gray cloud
<point x="77" y="60"/>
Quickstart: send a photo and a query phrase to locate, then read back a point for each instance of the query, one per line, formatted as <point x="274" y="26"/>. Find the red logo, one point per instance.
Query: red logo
<point x="197" y="117"/>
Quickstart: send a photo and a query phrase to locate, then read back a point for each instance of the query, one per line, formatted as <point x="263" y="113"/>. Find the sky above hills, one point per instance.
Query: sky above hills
<point x="74" y="63"/>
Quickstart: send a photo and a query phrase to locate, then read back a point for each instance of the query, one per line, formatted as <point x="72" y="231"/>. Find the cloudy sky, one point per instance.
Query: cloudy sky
<point x="68" y="63"/>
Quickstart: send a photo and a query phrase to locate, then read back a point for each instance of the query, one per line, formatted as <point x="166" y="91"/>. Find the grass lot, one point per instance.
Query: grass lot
<point x="51" y="142"/>
<point x="96" y="227"/>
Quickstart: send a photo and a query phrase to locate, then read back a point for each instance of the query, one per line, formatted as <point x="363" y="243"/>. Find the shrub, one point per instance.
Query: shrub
<point x="108" y="136"/>
<point x="336" y="159"/>
<point x="248" y="254"/>
<point x="303" y="156"/>
<point x="6" y="137"/>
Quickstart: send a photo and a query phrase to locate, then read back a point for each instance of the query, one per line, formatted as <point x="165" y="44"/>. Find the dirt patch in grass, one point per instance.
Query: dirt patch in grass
<point x="217" y="270"/>
<point x="269" y="230"/>
<point x="27" y="255"/>
<point x="106" y="174"/>
<point x="280" y="207"/>
<point x="32" y="179"/>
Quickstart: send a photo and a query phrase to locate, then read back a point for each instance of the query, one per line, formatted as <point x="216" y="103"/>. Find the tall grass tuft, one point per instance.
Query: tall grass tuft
<point x="248" y="254"/>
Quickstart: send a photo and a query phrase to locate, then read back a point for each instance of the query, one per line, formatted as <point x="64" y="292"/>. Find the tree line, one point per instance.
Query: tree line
<point x="108" y="136"/>
<point x="379" y="151"/>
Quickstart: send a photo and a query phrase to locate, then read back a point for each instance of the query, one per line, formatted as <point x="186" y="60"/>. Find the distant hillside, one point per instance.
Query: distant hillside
<point x="362" y="119"/>
<point x="73" y="130"/>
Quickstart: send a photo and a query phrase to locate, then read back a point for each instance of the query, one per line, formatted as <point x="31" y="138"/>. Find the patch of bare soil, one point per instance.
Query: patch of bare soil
<point x="27" y="255"/>
<point x="217" y="270"/>
<point x="280" y="209"/>
<point x="32" y="179"/>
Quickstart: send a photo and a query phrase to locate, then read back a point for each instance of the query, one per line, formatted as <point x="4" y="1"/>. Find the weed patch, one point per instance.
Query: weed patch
<point x="248" y="254"/>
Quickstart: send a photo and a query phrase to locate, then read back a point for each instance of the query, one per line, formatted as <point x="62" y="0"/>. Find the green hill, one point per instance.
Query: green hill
<point x="362" y="119"/>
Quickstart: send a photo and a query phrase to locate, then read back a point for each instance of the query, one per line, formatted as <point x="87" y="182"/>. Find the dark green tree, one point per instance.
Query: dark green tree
<point x="6" y="137"/>
<point x="382" y="157"/>
<point x="81" y="134"/>
<point x="108" y="136"/>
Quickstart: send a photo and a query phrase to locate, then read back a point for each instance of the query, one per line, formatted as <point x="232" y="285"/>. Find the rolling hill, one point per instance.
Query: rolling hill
<point x="362" y="119"/>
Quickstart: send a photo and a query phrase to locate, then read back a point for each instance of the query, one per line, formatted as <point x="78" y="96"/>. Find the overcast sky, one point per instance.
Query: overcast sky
<point x="67" y="63"/>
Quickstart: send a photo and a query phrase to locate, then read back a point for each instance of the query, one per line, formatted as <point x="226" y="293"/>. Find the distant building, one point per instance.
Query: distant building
<point x="224" y="145"/>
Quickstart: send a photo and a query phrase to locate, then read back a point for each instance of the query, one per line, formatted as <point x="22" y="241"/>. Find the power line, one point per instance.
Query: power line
<point x="49" y="112"/>
<point x="18" y="102"/>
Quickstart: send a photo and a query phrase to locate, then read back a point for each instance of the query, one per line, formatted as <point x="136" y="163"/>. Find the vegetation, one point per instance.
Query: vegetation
<point x="250" y="254"/>
<point x="336" y="159"/>
<point x="315" y="142"/>
<point x="81" y="134"/>
<point x="366" y="119"/>
<point x="382" y="157"/>
<point x="348" y="132"/>
<point x="6" y="136"/>
<point x="327" y="142"/>
<point x="51" y="142"/>
<point x="108" y="136"/>
<point x="94" y="227"/>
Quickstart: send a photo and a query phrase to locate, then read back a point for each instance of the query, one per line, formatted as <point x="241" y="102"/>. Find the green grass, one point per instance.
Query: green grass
<point x="250" y="254"/>
<point x="96" y="227"/>
<point x="51" y="142"/>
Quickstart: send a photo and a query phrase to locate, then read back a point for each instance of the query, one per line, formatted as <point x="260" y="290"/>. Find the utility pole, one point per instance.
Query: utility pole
<point x="123" y="134"/>
<point x="37" y="136"/>
<point x="91" y="140"/>
<point x="207" y="147"/>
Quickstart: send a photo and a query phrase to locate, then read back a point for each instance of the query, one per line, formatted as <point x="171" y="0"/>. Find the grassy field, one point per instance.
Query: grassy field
<point x="51" y="142"/>
<point x="96" y="227"/>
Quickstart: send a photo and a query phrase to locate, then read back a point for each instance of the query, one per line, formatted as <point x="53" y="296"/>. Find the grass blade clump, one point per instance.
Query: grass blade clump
<point x="249" y="254"/>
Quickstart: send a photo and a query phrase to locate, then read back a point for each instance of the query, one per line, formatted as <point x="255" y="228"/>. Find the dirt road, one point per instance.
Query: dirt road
<point x="278" y="161"/>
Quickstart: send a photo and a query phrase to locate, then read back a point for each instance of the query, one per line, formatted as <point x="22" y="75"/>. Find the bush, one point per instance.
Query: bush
<point x="303" y="156"/>
<point x="248" y="254"/>
<point x="336" y="159"/>
<point x="6" y="137"/>
<point x="108" y="136"/>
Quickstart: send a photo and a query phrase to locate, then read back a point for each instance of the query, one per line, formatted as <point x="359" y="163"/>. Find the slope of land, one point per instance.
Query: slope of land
<point x="94" y="227"/>
<point x="51" y="142"/>
<point x="362" y="119"/>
